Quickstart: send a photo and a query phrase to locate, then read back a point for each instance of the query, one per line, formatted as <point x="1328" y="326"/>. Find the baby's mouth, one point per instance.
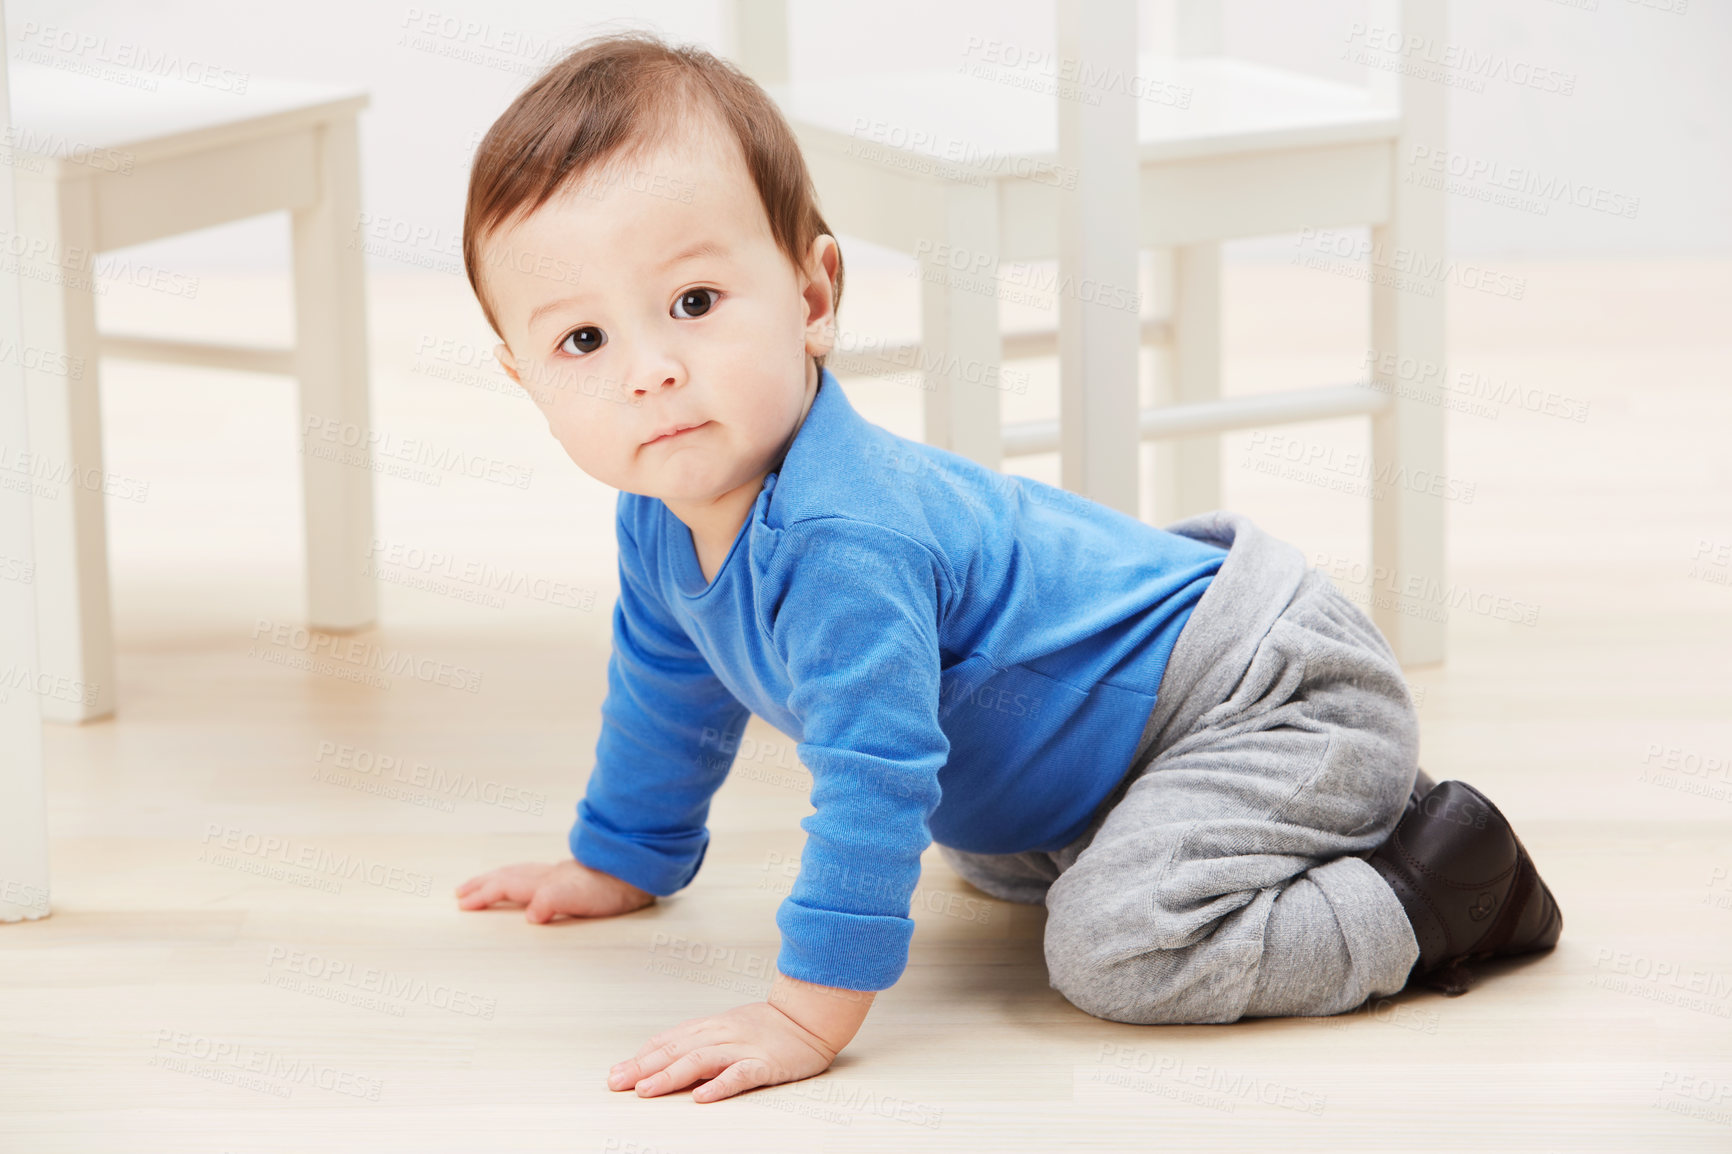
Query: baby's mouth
<point x="677" y="431"/>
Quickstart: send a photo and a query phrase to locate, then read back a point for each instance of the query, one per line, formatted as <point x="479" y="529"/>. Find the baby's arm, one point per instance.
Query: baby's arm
<point x="665" y="748"/>
<point x="857" y="624"/>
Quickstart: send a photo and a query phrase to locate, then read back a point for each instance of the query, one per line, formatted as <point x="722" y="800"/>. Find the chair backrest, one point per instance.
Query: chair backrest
<point x="1198" y="30"/>
<point x="756" y="34"/>
<point x="757" y="38"/>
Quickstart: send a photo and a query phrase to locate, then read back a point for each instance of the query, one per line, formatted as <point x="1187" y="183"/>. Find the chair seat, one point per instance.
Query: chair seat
<point x="66" y="115"/>
<point x="976" y="121"/>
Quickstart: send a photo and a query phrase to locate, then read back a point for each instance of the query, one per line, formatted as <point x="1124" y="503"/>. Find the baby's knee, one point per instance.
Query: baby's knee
<point x="1203" y="982"/>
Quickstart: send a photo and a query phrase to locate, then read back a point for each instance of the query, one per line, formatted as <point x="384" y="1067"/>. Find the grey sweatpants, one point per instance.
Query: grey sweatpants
<point x="1226" y="877"/>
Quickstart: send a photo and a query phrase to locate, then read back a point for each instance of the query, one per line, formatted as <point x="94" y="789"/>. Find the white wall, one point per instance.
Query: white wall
<point x="1649" y="117"/>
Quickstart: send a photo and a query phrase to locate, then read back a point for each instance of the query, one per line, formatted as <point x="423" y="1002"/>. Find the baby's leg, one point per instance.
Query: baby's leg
<point x="1009" y="877"/>
<point x="1230" y="880"/>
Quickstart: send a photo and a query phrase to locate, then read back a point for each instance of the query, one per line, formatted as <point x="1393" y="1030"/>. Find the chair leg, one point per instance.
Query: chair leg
<point x="23" y="814"/>
<point x="1407" y="460"/>
<point x="961" y="348"/>
<point x="1100" y="442"/>
<point x="75" y="626"/>
<point x="1408" y="481"/>
<point x="1195" y="470"/>
<point x="331" y="359"/>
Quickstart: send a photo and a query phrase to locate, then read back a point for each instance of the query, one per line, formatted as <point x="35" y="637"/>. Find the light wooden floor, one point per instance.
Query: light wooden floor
<point x="254" y="946"/>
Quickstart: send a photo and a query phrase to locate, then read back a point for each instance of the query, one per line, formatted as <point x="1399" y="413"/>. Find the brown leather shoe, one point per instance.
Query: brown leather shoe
<point x="1468" y="885"/>
<point x="1422" y="785"/>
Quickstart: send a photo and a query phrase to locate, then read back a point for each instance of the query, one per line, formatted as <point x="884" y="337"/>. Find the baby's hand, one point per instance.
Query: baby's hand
<point x="547" y="891"/>
<point x="749" y="1046"/>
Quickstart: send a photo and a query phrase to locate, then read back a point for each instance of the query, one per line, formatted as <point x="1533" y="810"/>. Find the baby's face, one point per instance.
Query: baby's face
<point x="653" y="296"/>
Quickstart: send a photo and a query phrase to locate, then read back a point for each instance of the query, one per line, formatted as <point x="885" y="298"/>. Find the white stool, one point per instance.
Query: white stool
<point x="100" y="166"/>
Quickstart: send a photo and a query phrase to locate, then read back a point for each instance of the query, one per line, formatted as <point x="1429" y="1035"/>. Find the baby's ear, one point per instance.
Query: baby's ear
<point x="820" y="296"/>
<point x="503" y="356"/>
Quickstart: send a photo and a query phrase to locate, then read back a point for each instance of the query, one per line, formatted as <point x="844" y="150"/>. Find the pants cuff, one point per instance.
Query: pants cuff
<point x="1379" y="937"/>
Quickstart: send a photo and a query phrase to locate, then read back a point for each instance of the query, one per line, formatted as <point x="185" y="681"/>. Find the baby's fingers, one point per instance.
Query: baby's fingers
<point x="745" y="1074"/>
<point x="707" y="1063"/>
<point x="655" y="1056"/>
<point x="490" y="891"/>
<point x="541" y="907"/>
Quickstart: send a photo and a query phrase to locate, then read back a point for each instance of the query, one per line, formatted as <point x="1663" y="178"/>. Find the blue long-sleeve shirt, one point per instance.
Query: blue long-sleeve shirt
<point x="961" y="655"/>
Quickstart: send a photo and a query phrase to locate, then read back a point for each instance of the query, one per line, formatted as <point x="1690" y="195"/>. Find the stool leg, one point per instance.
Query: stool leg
<point x="74" y="622"/>
<point x="961" y="347"/>
<point x="331" y="359"/>
<point x="1194" y="465"/>
<point x="1407" y="455"/>
<point x="23" y="812"/>
<point x="1100" y="438"/>
<point x="1408" y="328"/>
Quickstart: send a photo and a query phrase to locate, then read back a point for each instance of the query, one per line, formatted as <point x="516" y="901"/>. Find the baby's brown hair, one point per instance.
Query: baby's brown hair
<point x="623" y="94"/>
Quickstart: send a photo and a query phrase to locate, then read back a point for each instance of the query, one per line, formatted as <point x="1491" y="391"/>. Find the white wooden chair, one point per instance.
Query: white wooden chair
<point x="23" y="808"/>
<point x="99" y="166"/>
<point x="1253" y="151"/>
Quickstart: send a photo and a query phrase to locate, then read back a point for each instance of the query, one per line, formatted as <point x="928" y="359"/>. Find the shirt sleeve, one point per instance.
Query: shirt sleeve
<point x="857" y="625"/>
<point x="669" y="735"/>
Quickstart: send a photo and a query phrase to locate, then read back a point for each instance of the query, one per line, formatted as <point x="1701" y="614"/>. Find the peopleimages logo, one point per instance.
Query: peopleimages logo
<point x="351" y="444"/>
<point x="1293" y="458"/>
<point x="24" y="471"/>
<point x="255" y="1067"/>
<point x="304" y="971"/>
<point x="137" y="65"/>
<point x="1406" y="269"/>
<point x="60" y="687"/>
<point x="436" y="785"/>
<point x="1457" y="65"/>
<point x="1513" y="186"/>
<point x="353" y="658"/>
<point x="227" y="845"/>
<point x="473" y="579"/>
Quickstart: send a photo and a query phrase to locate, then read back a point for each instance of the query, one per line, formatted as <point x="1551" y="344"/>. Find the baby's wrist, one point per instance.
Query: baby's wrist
<point x="614" y="881"/>
<point x="831" y="1013"/>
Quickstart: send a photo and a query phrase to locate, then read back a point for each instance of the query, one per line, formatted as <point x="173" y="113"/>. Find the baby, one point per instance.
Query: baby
<point x="1186" y="743"/>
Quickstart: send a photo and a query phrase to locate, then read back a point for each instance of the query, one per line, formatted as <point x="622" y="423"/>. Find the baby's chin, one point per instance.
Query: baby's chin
<point x="643" y="477"/>
<point x="698" y="483"/>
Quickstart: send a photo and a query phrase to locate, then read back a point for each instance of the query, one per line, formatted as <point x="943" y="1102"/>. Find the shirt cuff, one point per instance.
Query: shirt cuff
<point x="659" y="863"/>
<point x="846" y="951"/>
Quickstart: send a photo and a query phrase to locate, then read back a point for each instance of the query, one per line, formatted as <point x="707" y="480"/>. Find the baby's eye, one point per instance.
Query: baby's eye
<point x="697" y="302"/>
<point x="585" y="339"/>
